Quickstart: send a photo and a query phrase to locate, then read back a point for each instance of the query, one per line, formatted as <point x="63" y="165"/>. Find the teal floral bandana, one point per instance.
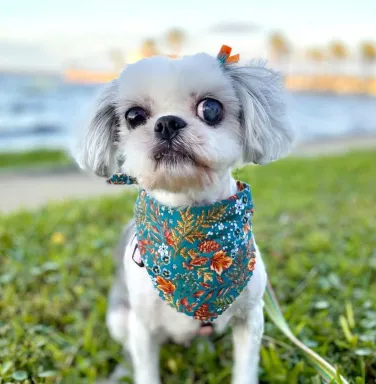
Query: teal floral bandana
<point x="199" y="258"/>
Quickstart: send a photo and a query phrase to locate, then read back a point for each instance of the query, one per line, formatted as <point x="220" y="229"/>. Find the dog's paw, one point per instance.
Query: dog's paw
<point x="120" y="372"/>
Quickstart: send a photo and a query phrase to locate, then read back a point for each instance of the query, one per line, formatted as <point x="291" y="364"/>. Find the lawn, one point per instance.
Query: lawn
<point x="35" y="159"/>
<point x="315" y="221"/>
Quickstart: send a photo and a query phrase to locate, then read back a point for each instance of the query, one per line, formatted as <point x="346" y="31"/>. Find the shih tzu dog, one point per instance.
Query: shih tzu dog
<point x="188" y="263"/>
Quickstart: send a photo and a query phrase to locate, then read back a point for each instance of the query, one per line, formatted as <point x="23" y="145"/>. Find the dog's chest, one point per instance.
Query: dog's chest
<point x="157" y="315"/>
<point x="164" y="320"/>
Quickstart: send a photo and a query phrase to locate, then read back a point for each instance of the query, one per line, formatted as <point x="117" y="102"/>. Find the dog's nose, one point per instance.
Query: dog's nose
<point x="167" y="127"/>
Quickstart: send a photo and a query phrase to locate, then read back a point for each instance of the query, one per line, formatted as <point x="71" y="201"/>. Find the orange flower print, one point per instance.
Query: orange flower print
<point x="219" y="279"/>
<point x="252" y="264"/>
<point x="209" y="296"/>
<point x="165" y="286"/>
<point x="203" y="313"/>
<point x="168" y="234"/>
<point x="188" y="267"/>
<point x="207" y="246"/>
<point x="219" y="262"/>
<point x="198" y="293"/>
<point x="142" y="244"/>
<point x="168" y="237"/>
<point x="198" y="261"/>
<point x="184" y="302"/>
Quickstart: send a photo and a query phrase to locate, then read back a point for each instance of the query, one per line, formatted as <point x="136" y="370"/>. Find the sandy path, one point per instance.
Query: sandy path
<point x="35" y="189"/>
<point x="31" y="190"/>
<point x="335" y="146"/>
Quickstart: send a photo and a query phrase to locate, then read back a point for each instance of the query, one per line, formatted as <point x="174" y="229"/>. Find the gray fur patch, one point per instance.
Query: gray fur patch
<point x="119" y="296"/>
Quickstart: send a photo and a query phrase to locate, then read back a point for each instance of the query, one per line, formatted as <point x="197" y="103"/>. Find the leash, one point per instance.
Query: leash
<point x="327" y="372"/>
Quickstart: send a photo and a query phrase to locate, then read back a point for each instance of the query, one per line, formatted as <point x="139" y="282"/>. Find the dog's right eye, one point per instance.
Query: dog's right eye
<point x="136" y="116"/>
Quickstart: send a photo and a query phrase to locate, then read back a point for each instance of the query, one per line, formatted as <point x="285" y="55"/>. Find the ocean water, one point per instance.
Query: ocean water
<point x="45" y="113"/>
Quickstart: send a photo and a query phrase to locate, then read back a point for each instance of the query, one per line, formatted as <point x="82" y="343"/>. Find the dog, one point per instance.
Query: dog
<point x="179" y="126"/>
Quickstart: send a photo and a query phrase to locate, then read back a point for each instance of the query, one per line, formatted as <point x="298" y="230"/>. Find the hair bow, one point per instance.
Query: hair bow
<point x="224" y="56"/>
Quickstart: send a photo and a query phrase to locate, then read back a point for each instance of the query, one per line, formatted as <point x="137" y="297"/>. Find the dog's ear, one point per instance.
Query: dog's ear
<point x="266" y="134"/>
<point x="96" y="149"/>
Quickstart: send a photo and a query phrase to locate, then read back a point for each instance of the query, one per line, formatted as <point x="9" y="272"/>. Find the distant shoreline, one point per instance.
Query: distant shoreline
<point x="333" y="84"/>
<point x="334" y="145"/>
<point x="337" y="84"/>
<point x="321" y="83"/>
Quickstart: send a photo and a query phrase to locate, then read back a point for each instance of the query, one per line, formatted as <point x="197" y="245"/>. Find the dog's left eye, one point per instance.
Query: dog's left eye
<point x="210" y="111"/>
<point x="136" y="116"/>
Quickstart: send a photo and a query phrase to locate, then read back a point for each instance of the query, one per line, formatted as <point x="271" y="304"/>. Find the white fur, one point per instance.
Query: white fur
<point x="115" y="321"/>
<point x="253" y="129"/>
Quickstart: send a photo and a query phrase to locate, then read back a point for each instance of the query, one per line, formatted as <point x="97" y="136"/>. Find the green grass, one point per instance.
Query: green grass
<point x="315" y="222"/>
<point x="36" y="158"/>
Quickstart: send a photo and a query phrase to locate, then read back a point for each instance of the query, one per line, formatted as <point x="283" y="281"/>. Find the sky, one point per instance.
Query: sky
<point x="50" y="34"/>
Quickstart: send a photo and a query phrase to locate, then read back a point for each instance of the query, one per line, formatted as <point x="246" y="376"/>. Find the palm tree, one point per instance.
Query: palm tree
<point x="117" y="58"/>
<point x="338" y="50"/>
<point x="279" y="47"/>
<point x="149" y="48"/>
<point x="368" y="55"/>
<point x="176" y="38"/>
<point x="316" y="54"/>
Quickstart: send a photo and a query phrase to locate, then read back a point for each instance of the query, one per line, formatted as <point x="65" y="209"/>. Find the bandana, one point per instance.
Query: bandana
<point x="199" y="258"/>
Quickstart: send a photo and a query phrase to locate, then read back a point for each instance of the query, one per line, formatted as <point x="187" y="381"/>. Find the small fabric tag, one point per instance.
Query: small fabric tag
<point x="136" y="256"/>
<point x="133" y="251"/>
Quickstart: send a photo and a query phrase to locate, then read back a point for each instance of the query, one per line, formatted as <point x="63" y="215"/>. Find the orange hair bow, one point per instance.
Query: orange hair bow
<point x="224" y="56"/>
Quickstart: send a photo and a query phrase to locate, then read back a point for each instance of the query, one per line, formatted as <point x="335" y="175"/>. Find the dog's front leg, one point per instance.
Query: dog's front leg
<point x="144" y="350"/>
<point x="247" y="334"/>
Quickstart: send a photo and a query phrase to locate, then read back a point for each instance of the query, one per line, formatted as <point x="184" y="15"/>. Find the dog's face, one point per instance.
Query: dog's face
<point x="179" y="125"/>
<point x="182" y="124"/>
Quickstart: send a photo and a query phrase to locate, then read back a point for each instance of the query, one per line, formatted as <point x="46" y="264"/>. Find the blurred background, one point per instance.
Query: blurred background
<point x="315" y="218"/>
<point x="54" y="56"/>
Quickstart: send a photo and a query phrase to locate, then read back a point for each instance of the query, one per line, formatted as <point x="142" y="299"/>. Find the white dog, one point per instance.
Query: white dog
<point x="180" y="127"/>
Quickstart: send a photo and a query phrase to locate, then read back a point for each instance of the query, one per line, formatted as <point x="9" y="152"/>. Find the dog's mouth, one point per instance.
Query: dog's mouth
<point x="168" y="154"/>
<point x="173" y="157"/>
<point x="177" y="167"/>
